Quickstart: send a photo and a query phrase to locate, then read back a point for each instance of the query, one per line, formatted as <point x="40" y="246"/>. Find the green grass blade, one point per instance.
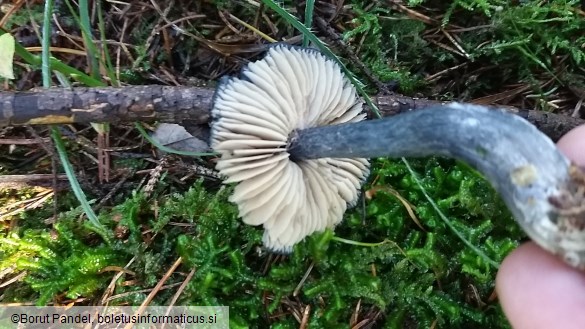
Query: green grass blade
<point x="446" y="220"/>
<point x="56" y="136"/>
<point x="88" y="39"/>
<point x="359" y="243"/>
<point x="104" y="48"/>
<point x="79" y="194"/>
<point x="46" y="44"/>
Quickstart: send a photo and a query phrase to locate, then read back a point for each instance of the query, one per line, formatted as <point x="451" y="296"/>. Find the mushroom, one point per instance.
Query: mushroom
<point x="254" y="117"/>
<point x="290" y="132"/>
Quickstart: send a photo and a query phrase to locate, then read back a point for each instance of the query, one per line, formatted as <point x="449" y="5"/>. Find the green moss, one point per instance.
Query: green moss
<point x="506" y="43"/>
<point x="57" y="261"/>
<point x="420" y="276"/>
<point x="381" y="44"/>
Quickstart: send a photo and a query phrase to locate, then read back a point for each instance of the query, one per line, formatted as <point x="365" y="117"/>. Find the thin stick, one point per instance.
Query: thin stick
<point x="156" y="289"/>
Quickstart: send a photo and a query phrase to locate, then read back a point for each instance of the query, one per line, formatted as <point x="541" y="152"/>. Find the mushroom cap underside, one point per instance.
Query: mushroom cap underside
<point x="254" y="118"/>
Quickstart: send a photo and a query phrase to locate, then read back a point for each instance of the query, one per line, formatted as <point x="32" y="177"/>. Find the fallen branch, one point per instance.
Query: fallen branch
<point x="179" y="104"/>
<point x="21" y="181"/>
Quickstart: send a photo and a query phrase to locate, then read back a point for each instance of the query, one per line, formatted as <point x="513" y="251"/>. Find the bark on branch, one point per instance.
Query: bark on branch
<point x="179" y="104"/>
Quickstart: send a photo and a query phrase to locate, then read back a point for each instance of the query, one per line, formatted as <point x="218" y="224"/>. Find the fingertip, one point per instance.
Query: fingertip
<point x="537" y="290"/>
<point x="573" y="144"/>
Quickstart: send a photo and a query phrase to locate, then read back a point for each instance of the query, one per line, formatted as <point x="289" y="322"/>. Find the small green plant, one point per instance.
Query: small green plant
<point x="422" y="275"/>
<point x="62" y="260"/>
<point x="526" y="43"/>
<point x="381" y="48"/>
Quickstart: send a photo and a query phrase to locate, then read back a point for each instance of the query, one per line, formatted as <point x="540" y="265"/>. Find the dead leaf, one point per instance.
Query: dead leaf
<point x="178" y="138"/>
<point x="6" y="56"/>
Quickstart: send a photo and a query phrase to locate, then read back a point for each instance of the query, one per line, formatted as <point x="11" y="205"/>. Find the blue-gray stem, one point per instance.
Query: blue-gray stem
<point x="543" y="190"/>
